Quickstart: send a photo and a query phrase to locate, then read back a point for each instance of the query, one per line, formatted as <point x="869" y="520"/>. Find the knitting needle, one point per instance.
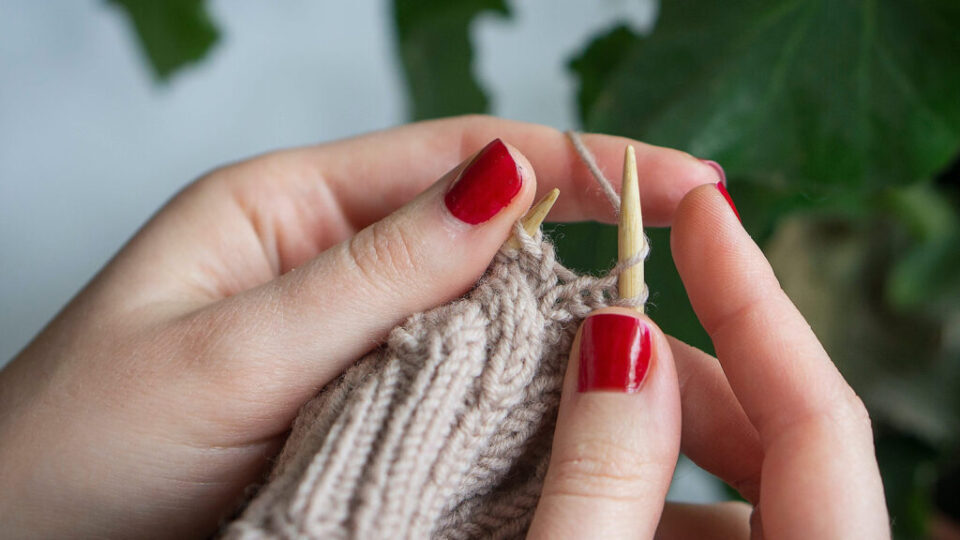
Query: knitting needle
<point x="630" y="237"/>
<point x="534" y="217"/>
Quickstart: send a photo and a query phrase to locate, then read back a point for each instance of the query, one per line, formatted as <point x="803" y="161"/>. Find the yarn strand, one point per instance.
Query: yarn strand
<point x="586" y="156"/>
<point x="445" y="430"/>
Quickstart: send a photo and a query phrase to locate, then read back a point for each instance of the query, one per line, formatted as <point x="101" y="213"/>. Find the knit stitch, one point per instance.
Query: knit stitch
<point x="445" y="430"/>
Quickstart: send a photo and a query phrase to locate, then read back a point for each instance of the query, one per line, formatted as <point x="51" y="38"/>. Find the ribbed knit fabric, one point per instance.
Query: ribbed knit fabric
<point x="445" y="430"/>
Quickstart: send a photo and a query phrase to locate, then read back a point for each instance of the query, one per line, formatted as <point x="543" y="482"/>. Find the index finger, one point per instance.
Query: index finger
<point x="819" y="477"/>
<point x="396" y="164"/>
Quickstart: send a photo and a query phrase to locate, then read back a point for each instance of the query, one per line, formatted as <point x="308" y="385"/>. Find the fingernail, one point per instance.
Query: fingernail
<point x="485" y="186"/>
<point x="614" y="353"/>
<point x="726" y="195"/>
<point x="716" y="166"/>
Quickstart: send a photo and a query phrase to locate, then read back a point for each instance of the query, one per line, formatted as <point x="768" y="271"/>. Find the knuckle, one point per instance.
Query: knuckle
<point x="210" y="184"/>
<point x="219" y="184"/>
<point x="844" y="417"/>
<point x="474" y="118"/>
<point x="249" y="174"/>
<point x="601" y="469"/>
<point x="845" y="412"/>
<point x="385" y="254"/>
<point x="226" y="177"/>
<point x="856" y="411"/>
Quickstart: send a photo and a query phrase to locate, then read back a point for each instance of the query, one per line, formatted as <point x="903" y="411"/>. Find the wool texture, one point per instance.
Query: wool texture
<point x="445" y="430"/>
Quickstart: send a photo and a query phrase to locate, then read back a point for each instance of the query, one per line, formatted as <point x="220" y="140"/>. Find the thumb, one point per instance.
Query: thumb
<point x="321" y="317"/>
<point x="618" y="433"/>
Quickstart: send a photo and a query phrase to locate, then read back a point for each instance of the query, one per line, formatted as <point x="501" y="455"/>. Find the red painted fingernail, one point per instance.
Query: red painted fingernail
<point x="485" y="186"/>
<point x="716" y="166"/>
<point x="726" y="195"/>
<point x="614" y="353"/>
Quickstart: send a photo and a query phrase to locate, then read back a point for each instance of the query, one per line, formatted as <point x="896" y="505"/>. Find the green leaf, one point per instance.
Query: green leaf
<point x="824" y="96"/>
<point x="437" y="57"/>
<point x="908" y="468"/>
<point x="173" y="33"/>
<point x="585" y="247"/>
<point x="668" y="304"/>
<point x="599" y="60"/>
<point x="591" y="248"/>
<point x="926" y="275"/>
<point x="901" y="364"/>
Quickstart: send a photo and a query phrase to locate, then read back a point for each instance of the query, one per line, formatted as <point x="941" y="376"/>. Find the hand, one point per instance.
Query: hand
<point x="165" y="386"/>
<point x="773" y="418"/>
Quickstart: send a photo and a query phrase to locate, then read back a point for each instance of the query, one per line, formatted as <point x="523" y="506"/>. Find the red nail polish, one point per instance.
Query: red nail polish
<point x="485" y="186"/>
<point x="614" y="353"/>
<point x="716" y="166"/>
<point x="726" y="195"/>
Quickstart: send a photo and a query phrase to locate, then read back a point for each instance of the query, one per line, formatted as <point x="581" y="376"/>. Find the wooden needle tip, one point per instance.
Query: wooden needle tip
<point x="534" y="217"/>
<point x="630" y="232"/>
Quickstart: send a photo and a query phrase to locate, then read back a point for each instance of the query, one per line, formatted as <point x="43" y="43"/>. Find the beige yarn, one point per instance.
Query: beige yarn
<point x="445" y="430"/>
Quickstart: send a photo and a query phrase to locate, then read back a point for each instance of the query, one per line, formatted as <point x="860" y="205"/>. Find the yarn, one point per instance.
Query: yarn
<point x="591" y="163"/>
<point x="445" y="430"/>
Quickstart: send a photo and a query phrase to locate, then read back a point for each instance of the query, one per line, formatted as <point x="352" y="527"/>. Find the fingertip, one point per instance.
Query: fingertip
<point x="693" y="172"/>
<point x="523" y="164"/>
<point x="495" y="185"/>
<point x="684" y="172"/>
<point x="698" y="222"/>
<point x="701" y="199"/>
<point x="528" y="175"/>
<point x="616" y="443"/>
<point x="617" y="349"/>
<point x="629" y="312"/>
<point x="528" y="181"/>
<point x="718" y="169"/>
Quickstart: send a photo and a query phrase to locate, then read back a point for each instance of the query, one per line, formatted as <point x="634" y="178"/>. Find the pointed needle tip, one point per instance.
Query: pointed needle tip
<point x="534" y="217"/>
<point x="630" y="230"/>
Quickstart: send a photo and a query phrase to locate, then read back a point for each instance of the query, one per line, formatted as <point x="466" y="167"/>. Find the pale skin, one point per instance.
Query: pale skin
<point x="161" y="391"/>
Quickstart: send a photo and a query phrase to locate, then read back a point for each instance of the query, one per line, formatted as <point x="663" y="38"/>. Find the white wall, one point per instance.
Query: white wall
<point x="90" y="146"/>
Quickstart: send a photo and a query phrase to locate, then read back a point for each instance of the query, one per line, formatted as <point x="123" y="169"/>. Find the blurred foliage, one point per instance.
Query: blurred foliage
<point x="172" y="33"/>
<point x="831" y="119"/>
<point x="908" y="480"/>
<point x="834" y="98"/>
<point x="437" y="57"/>
<point x="836" y="121"/>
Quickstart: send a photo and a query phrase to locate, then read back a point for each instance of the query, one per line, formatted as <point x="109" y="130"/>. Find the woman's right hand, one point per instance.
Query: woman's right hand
<point x="773" y="418"/>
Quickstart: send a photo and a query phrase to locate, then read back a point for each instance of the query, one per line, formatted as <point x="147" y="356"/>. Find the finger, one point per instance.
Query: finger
<point x="618" y="433"/>
<point x="820" y="478"/>
<point x="717" y="435"/>
<point x="324" y="315"/>
<point x="408" y="154"/>
<point x="721" y="521"/>
<point x="307" y="199"/>
<point x="247" y="223"/>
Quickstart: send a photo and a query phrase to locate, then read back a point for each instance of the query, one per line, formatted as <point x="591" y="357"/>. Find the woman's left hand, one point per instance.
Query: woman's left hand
<point x="162" y="390"/>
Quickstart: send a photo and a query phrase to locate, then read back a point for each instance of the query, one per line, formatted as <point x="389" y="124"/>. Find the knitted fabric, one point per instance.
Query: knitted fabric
<point x="445" y="430"/>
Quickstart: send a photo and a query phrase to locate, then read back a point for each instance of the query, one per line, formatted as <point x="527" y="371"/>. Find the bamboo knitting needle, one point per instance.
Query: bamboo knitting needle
<point x="535" y="216"/>
<point x="630" y="237"/>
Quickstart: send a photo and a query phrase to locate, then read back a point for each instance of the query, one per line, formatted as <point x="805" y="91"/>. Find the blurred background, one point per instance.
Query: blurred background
<point x="838" y="123"/>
